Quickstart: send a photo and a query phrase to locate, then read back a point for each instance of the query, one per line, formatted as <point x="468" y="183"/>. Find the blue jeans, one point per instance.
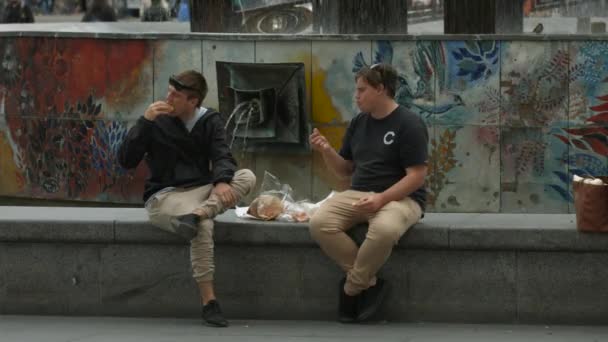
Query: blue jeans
<point x="46" y="6"/>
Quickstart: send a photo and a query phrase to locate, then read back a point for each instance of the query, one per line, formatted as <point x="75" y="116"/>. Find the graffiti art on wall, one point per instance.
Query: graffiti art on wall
<point x="429" y="73"/>
<point x="587" y="132"/>
<point x="59" y="119"/>
<point x="534" y="102"/>
<point x="510" y="122"/>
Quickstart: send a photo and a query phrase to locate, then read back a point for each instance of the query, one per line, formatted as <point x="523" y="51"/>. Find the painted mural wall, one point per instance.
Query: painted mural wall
<point x="509" y="121"/>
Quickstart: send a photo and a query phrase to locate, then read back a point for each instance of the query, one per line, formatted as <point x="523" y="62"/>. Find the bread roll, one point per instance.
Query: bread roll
<point x="266" y="207"/>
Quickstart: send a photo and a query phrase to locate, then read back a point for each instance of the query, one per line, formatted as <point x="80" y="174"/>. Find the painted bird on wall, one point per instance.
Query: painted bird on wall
<point x="428" y="62"/>
<point x="539" y="28"/>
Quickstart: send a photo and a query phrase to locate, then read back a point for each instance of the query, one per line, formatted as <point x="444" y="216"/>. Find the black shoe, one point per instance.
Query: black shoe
<point x="212" y="315"/>
<point x="347" y="310"/>
<point x="186" y="225"/>
<point x="371" y="299"/>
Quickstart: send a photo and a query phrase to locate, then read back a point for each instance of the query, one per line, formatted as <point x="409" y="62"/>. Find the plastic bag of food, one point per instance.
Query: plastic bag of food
<point x="301" y="211"/>
<point x="295" y="212"/>
<point x="269" y="204"/>
<point x="276" y="202"/>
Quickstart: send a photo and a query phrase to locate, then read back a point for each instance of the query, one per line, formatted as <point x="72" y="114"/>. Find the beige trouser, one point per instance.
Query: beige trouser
<point x="167" y="204"/>
<point x="337" y="215"/>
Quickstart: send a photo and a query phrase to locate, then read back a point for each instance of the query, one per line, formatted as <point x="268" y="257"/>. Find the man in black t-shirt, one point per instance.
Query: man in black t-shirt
<point x="385" y="152"/>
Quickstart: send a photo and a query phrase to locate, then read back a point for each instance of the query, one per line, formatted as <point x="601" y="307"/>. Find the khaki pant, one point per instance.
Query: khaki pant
<point x="167" y="204"/>
<point x="337" y="215"/>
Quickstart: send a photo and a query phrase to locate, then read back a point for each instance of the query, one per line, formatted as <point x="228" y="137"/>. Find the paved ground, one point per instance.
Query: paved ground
<point x="98" y="329"/>
<point x="70" y="18"/>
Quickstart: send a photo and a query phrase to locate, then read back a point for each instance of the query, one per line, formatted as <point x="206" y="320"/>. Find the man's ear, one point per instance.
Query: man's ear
<point x="193" y="100"/>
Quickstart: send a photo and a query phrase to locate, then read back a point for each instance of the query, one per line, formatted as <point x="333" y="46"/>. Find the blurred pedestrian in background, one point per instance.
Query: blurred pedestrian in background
<point x="157" y="11"/>
<point x="99" y="11"/>
<point x="17" y="12"/>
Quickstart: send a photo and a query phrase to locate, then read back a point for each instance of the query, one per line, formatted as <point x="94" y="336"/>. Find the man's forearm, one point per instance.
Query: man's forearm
<point x="341" y="167"/>
<point x="403" y="188"/>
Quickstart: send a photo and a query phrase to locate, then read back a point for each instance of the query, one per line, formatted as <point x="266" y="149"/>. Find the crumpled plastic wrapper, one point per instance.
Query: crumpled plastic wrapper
<point x="275" y="202"/>
<point x="267" y="209"/>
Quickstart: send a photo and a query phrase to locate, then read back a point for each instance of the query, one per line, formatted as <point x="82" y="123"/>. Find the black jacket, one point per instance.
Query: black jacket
<point x="167" y="146"/>
<point x="17" y="14"/>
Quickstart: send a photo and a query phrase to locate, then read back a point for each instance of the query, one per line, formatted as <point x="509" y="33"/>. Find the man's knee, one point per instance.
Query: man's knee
<point x="247" y="178"/>
<point x="314" y="226"/>
<point x="384" y="232"/>
<point x="246" y="175"/>
<point x="320" y="225"/>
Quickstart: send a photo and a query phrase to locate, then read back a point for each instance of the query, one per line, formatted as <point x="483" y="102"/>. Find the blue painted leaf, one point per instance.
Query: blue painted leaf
<point x="478" y="72"/>
<point x="465" y="53"/>
<point x="562" y="176"/>
<point x="493" y="53"/>
<point x="468" y="65"/>
<point x="384" y="53"/>
<point x="474" y="47"/>
<point x="358" y="62"/>
<point x="487" y="45"/>
<point x="462" y="72"/>
<point x="562" y="192"/>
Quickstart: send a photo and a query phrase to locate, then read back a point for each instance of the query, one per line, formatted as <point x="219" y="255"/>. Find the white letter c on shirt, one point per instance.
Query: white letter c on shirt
<point x="389" y="138"/>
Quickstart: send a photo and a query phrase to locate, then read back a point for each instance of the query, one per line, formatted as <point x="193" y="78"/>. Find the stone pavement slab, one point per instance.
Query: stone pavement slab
<point x="102" y="329"/>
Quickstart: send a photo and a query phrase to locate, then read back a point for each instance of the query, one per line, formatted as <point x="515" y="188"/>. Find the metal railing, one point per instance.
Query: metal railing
<point x="423" y="11"/>
<point x="570" y="7"/>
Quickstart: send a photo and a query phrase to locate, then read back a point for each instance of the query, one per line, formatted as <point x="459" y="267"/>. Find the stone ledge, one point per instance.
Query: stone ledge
<point x="475" y="268"/>
<point x="181" y="31"/>
<point x="436" y="231"/>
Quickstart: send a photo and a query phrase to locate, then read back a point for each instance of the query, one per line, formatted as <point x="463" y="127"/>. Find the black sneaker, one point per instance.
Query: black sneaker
<point x="186" y="225"/>
<point x="371" y="299"/>
<point x="212" y="315"/>
<point x="347" y="309"/>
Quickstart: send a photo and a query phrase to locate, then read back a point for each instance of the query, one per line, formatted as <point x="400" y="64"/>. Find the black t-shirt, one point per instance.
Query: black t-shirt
<point x="382" y="149"/>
